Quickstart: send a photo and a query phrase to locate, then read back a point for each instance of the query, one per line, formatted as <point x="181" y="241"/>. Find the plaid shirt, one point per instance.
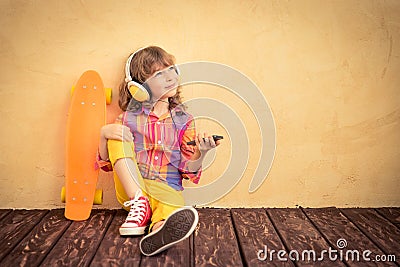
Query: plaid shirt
<point x="160" y="145"/>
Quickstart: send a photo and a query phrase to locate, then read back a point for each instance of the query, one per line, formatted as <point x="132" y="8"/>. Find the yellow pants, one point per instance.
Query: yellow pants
<point x="163" y="198"/>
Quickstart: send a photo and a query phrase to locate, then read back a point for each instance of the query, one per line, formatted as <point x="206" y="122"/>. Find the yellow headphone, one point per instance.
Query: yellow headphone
<point x="137" y="90"/>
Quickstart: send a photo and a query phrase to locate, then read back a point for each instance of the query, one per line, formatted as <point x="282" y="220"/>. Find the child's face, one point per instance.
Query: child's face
<point x="163" y="83"/>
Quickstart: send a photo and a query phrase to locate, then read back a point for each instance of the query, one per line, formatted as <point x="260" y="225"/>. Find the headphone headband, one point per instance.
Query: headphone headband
<point x="128" y="77"/>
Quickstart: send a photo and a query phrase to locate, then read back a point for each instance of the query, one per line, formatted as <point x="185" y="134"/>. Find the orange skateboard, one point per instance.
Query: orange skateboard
<point x="87" y="114"/>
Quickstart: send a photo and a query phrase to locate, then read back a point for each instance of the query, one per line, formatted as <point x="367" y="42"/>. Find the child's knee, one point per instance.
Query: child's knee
<point x="118" y="150"/>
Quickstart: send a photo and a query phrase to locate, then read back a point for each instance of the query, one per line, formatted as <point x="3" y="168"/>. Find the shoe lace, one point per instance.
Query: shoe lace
<point x="138" y="208"/>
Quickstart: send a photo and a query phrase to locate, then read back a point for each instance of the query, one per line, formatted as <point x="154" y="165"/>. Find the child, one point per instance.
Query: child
<point x="147" y="149"/>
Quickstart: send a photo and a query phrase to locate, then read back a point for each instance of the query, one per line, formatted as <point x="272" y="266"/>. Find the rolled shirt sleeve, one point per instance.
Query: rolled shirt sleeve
<point x="106" y="165"/>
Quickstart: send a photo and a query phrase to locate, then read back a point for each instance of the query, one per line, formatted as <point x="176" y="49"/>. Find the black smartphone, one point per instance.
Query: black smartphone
<point x="215" y="137"/>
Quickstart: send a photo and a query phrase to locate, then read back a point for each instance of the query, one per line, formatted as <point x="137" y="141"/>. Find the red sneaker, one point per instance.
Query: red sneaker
<point x="139" y="215"/>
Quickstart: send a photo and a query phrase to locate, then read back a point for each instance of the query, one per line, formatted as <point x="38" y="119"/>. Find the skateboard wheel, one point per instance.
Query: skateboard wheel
<point x="108" y="95"/>
<point x="72" y="90"/>
<point x="63" y="194"/>
<point x="98" y="197"/>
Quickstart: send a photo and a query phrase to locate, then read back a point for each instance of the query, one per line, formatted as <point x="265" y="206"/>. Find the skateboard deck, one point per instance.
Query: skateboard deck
<point x="87" y="114"/>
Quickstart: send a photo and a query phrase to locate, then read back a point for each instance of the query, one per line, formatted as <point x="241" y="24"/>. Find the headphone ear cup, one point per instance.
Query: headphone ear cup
<point x="147" y="88"/>
<point x="138" y="92"/>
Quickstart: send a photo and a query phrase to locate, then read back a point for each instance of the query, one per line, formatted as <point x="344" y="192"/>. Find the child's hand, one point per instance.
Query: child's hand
<point x="205" y="142"/>
<point x="116" y="132"/>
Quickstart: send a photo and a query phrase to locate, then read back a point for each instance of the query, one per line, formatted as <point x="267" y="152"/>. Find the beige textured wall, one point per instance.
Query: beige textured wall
<point x="329" y="70"/>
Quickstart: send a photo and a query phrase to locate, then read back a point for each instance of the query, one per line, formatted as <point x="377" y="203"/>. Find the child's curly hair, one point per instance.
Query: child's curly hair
<point x="144" y="63"/>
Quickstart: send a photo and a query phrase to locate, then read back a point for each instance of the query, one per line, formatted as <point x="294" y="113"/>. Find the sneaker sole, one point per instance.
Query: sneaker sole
<point x="130" y="231"/>
<point x="178" y="226"/>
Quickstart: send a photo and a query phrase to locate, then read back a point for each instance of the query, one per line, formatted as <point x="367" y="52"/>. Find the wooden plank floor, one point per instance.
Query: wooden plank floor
<point x="223" y="237"/>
